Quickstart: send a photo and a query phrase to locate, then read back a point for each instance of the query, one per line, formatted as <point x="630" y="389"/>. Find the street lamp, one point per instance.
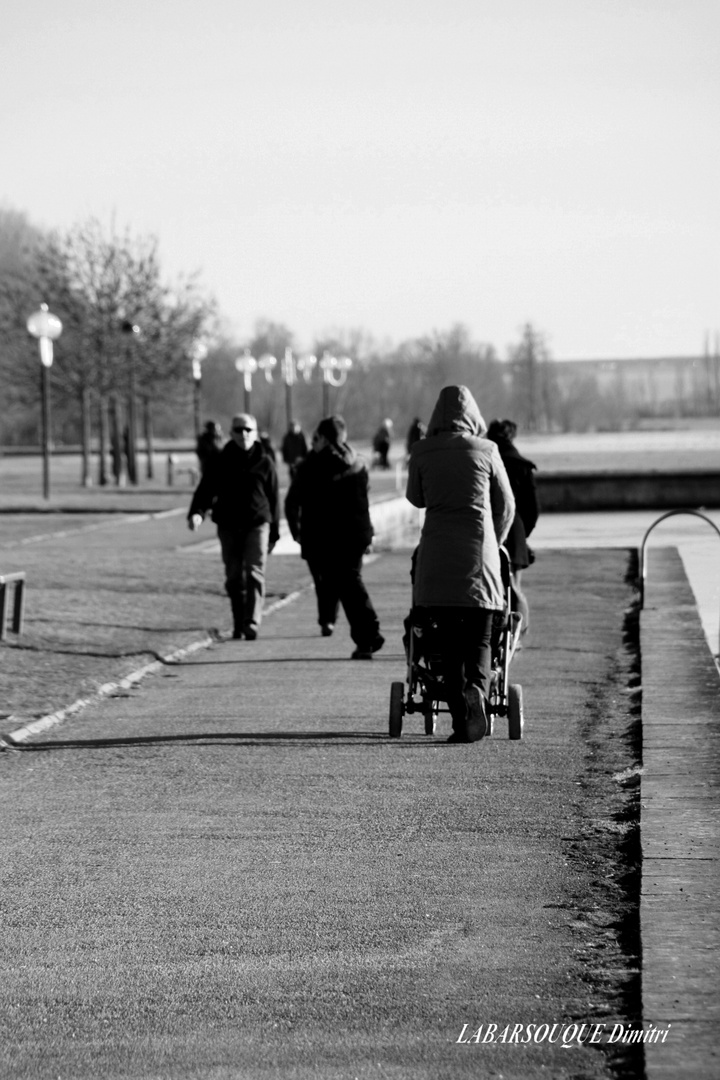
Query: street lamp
<point x="335" y="372"/>
<point x="198" y="352"/>
<point x="289" y="368"/>
<point x="247" y="365"/>
<point x="45" y="326"/>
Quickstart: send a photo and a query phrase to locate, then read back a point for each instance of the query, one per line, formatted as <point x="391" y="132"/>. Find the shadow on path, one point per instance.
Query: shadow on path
<point x="253" y="738"/>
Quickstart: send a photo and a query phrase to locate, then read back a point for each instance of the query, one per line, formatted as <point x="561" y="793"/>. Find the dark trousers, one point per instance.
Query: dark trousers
<point x="245" y="557"/>
<point x="465" y="646"/>
<point x="338" y="580"/>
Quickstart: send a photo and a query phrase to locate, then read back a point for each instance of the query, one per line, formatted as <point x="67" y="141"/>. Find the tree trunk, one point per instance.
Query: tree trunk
<point x="85" y="435"/>
<point x="116" y="434"/>
<point x="103" y="432"/>
<point x="131" y="437"/>
<point x="131" y="440"/>
<point x="148" y="432"/>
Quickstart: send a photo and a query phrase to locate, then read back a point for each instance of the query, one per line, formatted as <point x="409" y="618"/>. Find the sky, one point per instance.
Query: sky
<point x="394" y="166"/>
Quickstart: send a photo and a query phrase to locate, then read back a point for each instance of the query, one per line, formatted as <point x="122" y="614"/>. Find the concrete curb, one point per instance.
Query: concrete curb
<point x="680" y="829"/>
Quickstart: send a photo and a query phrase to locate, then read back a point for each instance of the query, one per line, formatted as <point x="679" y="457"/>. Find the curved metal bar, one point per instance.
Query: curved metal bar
<point x="643" y="560"/>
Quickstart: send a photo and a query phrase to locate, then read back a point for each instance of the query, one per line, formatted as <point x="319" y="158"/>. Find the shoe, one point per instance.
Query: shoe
<point x="361" y="654"/>
<point x="477" y="723"/>
<point x="367" y="654"/>
<point x="237" y="634"/>
<point x="458" y="736"/>
<point x="250" y="633"/>
<point x="326" y="629"/>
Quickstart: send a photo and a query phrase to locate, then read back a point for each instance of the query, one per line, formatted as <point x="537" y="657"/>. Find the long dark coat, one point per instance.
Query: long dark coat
<point x="327" y="506"/>
<point x="459" y="478"/>
<point x="520" y="474"/>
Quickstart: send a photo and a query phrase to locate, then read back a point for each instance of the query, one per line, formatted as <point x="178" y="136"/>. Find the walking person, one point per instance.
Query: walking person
<point x="520" y="474"/>
<point x="328" y="512"/>
<point x="416" y="431"/>
<point x="294" y="447"/>
<point x="208" y="444"/>
<point x="240" y="489"/>
<point x="460" y="480"/>
<point x="382" y="441"/>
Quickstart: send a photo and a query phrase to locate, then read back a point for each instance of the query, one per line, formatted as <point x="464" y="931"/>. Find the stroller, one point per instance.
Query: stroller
<point x="425" y="682"/>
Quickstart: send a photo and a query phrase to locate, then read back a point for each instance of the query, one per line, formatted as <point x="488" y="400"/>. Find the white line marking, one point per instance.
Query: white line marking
<point x="52" y="719"/>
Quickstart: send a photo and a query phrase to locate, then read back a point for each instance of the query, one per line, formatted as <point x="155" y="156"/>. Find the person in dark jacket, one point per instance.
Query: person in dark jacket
<point x="328" y="512"/>
<point x="416" y="432"/>
<point x="209" y="443"/>
<point x="520" y="474"/>
<point x="458" y="477"/>
<point x="240" y="489"/>
<point x="265" y="440"/>
<point x="294" y="447"/>
<point x="382" y="441"/>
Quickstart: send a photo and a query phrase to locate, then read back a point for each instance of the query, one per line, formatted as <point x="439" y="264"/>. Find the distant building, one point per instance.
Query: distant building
<point x="664" y="386"/>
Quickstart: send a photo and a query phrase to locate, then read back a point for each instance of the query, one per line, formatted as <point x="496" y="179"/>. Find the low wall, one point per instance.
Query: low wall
<point x="577" y="491"/>
<point x="573" y="491"/>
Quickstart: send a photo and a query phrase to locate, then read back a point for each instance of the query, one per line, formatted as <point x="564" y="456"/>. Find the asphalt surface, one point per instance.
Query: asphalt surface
<point x="232" y="872"/>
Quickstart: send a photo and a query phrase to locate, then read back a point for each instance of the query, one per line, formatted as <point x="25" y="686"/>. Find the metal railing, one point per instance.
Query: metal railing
<point x="643" y="559"/>
<point x="17" y="581"/>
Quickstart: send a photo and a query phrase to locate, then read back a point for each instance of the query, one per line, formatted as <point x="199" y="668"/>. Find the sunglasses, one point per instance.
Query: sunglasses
<point x="237" y="429"/>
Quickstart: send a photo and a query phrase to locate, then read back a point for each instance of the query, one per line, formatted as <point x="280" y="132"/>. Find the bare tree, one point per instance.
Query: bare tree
<point x="100" y="284"/>
<point x="534" y="390"/>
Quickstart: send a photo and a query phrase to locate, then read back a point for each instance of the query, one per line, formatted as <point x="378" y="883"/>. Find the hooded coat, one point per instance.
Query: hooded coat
<point x="327" y="506"/>
<point x="460" y="480"/>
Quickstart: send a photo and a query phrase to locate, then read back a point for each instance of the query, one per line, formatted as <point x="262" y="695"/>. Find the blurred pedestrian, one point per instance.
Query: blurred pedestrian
<point x="382" y="441"/>
<point x="327" y="509"/>
<point x="459" y="477"/>
<point x="240" y="489"/>
<point x="520" y="474"/>
<point x="416" y="431"/>
<point x="266" y="443"/>
<point x="294" y="447"/>
<point x="208" y="444"/>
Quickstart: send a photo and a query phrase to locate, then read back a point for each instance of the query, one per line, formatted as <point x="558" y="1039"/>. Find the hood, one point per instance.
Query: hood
<point x="337" y="460"/>
<point x="456" y="410"/>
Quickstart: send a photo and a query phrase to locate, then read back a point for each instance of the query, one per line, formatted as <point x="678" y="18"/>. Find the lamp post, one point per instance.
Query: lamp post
<point x="335" y="372"/>
<point x="132" y="330"/>
<point x="198" y="353"/>
<point x="289" y="368"/>
<point x="45" y="326"/>
<point x="247" y="365"/>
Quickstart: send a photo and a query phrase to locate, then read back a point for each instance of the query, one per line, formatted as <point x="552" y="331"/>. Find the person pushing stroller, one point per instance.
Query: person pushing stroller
<point x="457" y="475"/>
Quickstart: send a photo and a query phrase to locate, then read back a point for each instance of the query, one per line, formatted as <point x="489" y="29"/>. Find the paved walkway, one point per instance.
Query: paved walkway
<point x="232" y="872"/>
<point x="679" y="815"/>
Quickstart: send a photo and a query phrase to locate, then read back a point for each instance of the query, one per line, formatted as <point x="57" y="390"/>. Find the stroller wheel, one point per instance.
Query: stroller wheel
<point x="430" y="720"/>
<point x="397" y="690"/>
<point x="515" y="711"/>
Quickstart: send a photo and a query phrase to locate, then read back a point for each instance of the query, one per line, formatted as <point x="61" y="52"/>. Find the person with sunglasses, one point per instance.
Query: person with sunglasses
<point x="240" y="489"/>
